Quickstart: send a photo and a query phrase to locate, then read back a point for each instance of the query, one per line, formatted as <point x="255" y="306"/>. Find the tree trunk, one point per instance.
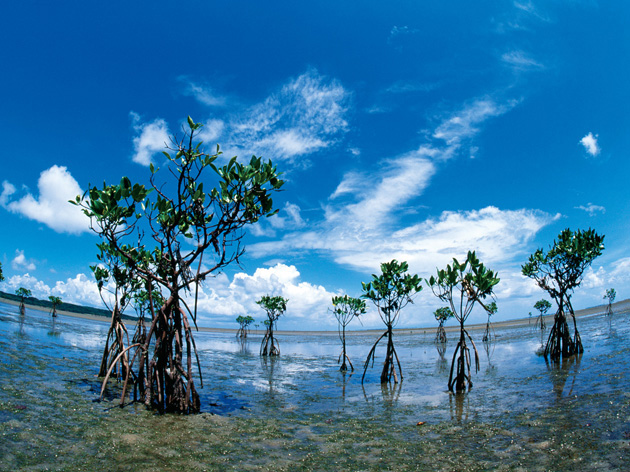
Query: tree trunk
<point x="559" y="344"/>
<point x="344" y="354"/>
<point x="461" y="365"/>
<point x="171" y="385"/>
<point x="389" y="367"/>
<point x="440" y="335"/>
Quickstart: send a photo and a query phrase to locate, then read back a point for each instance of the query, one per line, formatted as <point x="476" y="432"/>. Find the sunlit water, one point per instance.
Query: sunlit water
<point x="298" y="412"/>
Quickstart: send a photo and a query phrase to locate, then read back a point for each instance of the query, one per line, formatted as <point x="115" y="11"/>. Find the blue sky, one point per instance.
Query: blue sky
<point x="407" y="130"/>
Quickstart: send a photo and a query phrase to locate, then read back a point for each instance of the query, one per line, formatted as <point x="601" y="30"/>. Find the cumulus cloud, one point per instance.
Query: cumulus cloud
<point x="38" y="288"/>
<point x="56" y="186"/>
<point x="80" y="289"/>
<point x="152" y="138"/>
<point x="592" y="209"/>
<point x="20" y="262"/>
<point x="590" y="144"/>
<point x="221" y="300"/>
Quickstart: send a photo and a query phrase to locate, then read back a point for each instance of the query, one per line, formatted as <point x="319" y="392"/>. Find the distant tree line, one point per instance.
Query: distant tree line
<point x="69" y="307"/>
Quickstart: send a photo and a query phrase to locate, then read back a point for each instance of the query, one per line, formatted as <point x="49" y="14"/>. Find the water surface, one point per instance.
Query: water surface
<point x="298" y="412"/>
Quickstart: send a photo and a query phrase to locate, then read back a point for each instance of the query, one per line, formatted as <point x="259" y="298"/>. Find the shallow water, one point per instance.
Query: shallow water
<point x="299" y="412"/>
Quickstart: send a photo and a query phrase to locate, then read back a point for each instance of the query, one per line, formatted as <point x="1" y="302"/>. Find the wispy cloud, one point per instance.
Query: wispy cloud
<point x="530" y="9"/>
<point x="304" y="116"/>
<point x="591" y="209"/>
<point x="464" y="123"/>
<point x="400" y="87"/>
<point x="203" y="93"/>
<point x="56" y="186"/>
<point x="363" y="224"/>
<point x="400" y="31"/>
<point x="590" y="144"/>
<point x="520" y="60"/>
<point x="401" y="179"/>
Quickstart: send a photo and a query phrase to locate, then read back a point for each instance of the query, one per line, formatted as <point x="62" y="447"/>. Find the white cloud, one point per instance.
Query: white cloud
<point x="38" y="288"/>
<point x="520" y="60"/>
<point x="8" y="189"/>
<point x="465" y="123"/>
<point x="56" y="186"/>
<point x="400" y="31"/>
<point x="203" y="93"/>
<point x="404" y="178"/>
<point x="152" y="139"/>
<point x="591" y="209"/>
<point x="81" y="289"/>
<point x="530" y="9"/>
<point x="302" y="117"/>
<point x="363" y="224"/>
<point x="590" y="144"/>
<point x="20" y="262"/>
<point x="410" y="87"/>
<point x="292" y="142"/>
<point x="221" y="300"/>
<point x="289" y="217"/>
<point x="211" y="131"/>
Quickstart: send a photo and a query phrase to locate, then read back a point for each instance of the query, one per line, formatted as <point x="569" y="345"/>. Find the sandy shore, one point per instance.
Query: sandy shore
<point x="618" y="307"/>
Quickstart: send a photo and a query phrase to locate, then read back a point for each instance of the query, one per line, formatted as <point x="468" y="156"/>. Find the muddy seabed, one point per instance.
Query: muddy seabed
<point x="299" y="413"/>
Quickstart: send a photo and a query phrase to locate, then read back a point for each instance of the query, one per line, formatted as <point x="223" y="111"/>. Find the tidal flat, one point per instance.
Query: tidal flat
<point x="298" y="412"/>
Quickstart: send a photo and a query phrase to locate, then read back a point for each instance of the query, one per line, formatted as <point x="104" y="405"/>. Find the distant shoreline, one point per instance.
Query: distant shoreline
<point x="618" y="307"/>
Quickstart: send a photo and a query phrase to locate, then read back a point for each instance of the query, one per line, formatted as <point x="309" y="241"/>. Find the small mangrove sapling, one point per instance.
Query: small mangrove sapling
<point x="345" y="310"/>
<point x="542" y="306"/>
<point x="390" y="292"/>
<point x="22" y="293"/>
<point x="244" y="322"/>
<point x="55" y="301"/>
<point x="441" y="315"/>
<point x="274" y="306"/>
<point x="462" y="286"/>
<point x="559" y="271"/>
<point x="610" y="296"/>
<point x="491" y="309"/>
